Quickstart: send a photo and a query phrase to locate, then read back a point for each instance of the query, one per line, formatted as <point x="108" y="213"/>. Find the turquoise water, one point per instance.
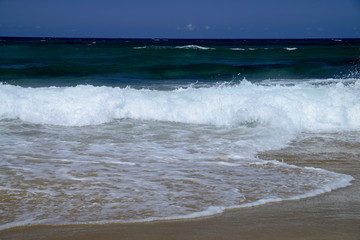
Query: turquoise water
<point x="135" y="62"/>
<point x="98" y="131"/>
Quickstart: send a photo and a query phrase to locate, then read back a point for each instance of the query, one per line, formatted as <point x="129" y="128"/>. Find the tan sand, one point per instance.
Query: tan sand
<point x="331" y="216"/>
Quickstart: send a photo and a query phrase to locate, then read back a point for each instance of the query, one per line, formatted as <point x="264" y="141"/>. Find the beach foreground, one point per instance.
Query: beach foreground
<point x="335" y="215"/>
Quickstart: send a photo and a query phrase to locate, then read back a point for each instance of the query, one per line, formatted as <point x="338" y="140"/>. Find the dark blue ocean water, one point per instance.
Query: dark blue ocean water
<point x="143" y="62"/>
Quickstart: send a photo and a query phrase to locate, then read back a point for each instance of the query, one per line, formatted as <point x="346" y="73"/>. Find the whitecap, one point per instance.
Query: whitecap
<point x="143" y="47"/>
<point x="193" y="47"/>
<point x="298" y="107"/>
<point x="238" y="49"/>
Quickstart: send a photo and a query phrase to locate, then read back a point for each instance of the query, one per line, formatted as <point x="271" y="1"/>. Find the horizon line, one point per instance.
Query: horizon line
<point x="164" y="39"/>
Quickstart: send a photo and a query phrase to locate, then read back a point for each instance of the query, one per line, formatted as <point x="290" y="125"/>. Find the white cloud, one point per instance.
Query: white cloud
<point x="189" y="27"/>
<point x="207" y="27"/>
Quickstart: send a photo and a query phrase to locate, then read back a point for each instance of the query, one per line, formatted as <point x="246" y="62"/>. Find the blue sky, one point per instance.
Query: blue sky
<point x="181" y="19"/>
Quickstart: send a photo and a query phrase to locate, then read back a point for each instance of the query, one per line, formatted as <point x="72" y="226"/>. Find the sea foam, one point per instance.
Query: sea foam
<point x="291" y="48"/>
<point x="193" y="47"/>
<point x="184" y="148"/>
<point x="301" y="107"/>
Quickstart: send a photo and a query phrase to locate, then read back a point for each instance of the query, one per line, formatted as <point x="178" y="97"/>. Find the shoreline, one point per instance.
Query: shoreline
<point x="332" y="215"/>
<point x="295" y="219"/>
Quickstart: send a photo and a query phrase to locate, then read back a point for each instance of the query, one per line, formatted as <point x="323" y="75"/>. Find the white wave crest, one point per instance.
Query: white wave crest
<point x="237" y="49"/>
<point x="193" y="47"/>
<point x="143" y="47"/>
<point x="291" y="48"/>
<point x="301" y="107"/>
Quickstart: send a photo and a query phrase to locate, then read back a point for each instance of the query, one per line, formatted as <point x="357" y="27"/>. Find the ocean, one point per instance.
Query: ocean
<point x="136" y="130"/>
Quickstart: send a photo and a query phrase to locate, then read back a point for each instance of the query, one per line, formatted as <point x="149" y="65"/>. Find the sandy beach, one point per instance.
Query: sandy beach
<point x="335" y="215"/>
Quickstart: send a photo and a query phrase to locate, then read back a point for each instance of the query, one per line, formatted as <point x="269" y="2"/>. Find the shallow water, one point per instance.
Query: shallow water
<point x="161" y="154"/>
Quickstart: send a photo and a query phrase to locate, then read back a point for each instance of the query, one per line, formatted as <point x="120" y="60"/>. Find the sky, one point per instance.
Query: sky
<point x="180" y="19"/>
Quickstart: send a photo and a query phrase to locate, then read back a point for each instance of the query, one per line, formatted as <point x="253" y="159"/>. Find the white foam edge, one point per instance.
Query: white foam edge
<point x="343" y="181"/>
<point x="23" y="223"/>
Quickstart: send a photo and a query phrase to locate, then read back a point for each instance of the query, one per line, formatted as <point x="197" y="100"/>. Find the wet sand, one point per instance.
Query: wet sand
<point x="335" y="215"/>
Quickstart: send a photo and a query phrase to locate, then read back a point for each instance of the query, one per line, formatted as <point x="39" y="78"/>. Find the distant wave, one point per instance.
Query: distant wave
<point x="249" y="49"/>
<point x="196" y="47"/>
<point x="238" y="49"/>
<point x="291" y="48"/>
<point x="193" y="47"/>
<point x="139" y="47"/>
